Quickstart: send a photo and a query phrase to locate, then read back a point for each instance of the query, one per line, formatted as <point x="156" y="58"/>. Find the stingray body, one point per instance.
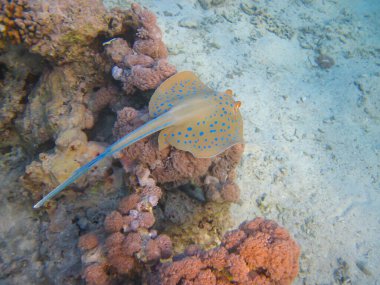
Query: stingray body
<point x="191" y="117"/>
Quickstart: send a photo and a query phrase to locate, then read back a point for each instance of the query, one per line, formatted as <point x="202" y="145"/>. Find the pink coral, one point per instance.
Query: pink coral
<point x="131" y="242"/>
<point x="145" y="78"/>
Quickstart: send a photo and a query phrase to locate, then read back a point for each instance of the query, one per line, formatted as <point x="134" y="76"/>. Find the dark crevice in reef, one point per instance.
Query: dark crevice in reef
<point x="3" y="70"/>
<point x="102" y="131"/>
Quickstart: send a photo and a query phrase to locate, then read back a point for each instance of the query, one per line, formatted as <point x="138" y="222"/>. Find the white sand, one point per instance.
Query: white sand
<point x="313" y="136"/>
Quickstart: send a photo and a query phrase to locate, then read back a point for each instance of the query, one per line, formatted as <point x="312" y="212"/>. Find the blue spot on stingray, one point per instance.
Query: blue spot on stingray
<point x="209" y="146"/>
<point x="162" y="104"/>
<point x="220" y="97"/>
<point x="221" y="115"/>
<point x="216" y="122"/>
<point x="179" y="133"/>
<point x="201" y="133"/>
<point x="204" y="147"/>
<point x="212" y="131"/>
<point x="193" y="135"/>
<point x="211" y="125"/>
<point x="186" y="136"/>
<point x="172" y="135"/>
<point x="178" y="141"/>
<point x="223" y="124"/>
<point x="198" y="123"/>
<point x="216" y="139"/>
<point x="170" y="105"/>
<point x="203" y="122"/>
<point x="165" y="135"/>
<point x="206" y="140"/>
<point x="189" y="129"/>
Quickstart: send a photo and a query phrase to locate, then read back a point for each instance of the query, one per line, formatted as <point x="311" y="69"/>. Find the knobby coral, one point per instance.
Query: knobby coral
<point x="17" y="23"/>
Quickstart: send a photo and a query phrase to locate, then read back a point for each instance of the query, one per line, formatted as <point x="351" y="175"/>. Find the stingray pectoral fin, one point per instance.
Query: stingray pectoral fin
<point x="210" y="134"/>
<point x="176" y="89"/>
<point x="162" y="139"/>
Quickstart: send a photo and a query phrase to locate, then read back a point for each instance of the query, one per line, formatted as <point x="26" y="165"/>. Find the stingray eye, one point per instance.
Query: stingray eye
<point x="229" y="92"/>
<point x="237" y="105"/>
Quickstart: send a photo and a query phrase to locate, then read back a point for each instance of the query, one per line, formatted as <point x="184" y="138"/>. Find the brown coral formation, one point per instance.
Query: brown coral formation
<point x="215" y="175"/>
<point x="259" y="252"/>
<point x="144" y="65"/>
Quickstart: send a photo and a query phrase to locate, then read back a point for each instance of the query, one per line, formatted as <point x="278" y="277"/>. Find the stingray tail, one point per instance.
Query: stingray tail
<point x="149" y="128"/>
<point x="76" y="174"/>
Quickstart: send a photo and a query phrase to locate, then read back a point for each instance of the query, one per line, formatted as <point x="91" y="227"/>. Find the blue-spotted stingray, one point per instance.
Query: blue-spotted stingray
<point x="191" y="117"/>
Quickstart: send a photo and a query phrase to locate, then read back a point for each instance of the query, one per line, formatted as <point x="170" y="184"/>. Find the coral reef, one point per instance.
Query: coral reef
<point x="259" y="252"/>
<point x="171" y="166"/>
<point x="68" y="95"/>
<point x="144" y="65"/>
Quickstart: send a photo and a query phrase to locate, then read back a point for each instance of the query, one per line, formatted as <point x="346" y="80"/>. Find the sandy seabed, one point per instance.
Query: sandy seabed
<point x="308" y="75"/>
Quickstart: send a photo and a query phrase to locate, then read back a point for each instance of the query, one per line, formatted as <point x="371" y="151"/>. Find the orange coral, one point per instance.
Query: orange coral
<point x="260" y="252"/>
